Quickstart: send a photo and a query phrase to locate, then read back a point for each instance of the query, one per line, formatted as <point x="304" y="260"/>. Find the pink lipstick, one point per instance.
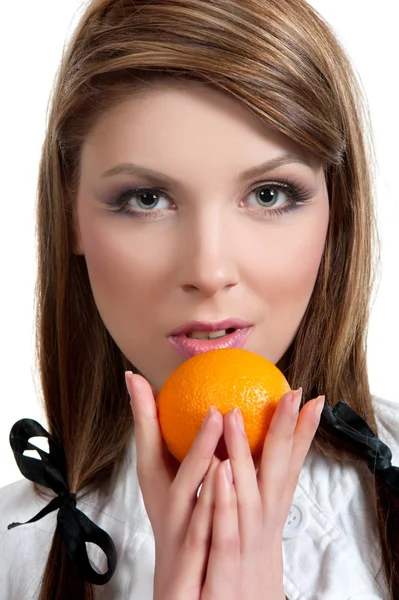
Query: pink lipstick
<point x="233" y="334"/>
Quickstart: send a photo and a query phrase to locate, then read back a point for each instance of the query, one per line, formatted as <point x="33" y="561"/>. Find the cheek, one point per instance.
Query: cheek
<point x="122" y="267"/>
<point x="286" y="268"/>
<point x="299" y="265"/>
<point x="285" y="283"/>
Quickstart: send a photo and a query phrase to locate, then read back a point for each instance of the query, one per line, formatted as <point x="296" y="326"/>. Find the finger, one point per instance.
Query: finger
<point x="183" y="490"/>
<point x="153" y="476"/>
<point x="276" y="456"/>
<point x="308" y="422"/>
<point x="245" y="481"/>
<point x="154" y="391"/>
<point x="224" y="554"/>
<point x="197" y="462"/>
<point x="198" y="537"/>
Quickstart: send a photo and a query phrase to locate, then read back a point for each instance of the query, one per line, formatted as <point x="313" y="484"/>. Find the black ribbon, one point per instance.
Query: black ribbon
<point x="345" y="424"/>
<point x="75" y="527"/>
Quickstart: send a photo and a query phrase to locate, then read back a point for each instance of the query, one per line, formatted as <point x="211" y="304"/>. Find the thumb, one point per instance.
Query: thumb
<point x="151" y="469"/>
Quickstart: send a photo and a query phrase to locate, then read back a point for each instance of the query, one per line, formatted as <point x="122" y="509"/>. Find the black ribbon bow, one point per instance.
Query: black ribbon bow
<point x="75" y="527"/>
<point x="345" y="424"/>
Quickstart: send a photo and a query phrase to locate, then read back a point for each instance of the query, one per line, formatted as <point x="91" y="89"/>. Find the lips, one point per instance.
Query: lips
<point x="208" y="326"/>
<point x="188" y="347"/>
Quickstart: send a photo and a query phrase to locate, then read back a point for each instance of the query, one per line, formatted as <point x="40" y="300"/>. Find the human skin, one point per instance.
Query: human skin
<point x="213" y="248"/>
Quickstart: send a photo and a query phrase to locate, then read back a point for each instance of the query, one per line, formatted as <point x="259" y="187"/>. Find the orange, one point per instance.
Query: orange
<point x="226" y="379"/>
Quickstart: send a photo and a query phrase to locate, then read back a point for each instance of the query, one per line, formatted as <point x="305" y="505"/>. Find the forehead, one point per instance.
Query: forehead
<point x="190" y="124"/>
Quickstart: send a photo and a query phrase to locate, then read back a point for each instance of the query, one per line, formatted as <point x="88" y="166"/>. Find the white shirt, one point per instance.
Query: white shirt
<point x="330" y="544"/>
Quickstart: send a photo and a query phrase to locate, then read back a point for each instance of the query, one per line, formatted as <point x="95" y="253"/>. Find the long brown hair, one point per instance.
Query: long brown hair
<point x="282" y="61"/>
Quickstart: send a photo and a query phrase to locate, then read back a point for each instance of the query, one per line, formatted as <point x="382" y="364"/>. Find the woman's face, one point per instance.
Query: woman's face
<point x="208" y="244"/>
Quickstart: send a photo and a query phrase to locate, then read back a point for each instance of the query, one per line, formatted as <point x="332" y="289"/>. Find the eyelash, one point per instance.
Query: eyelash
<point x="297" y="194"/>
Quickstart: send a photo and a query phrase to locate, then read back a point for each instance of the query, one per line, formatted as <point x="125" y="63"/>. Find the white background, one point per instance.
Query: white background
<point x="31" y="41"/>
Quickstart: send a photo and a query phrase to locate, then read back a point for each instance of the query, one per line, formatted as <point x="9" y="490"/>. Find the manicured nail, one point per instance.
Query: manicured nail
<point x="296" y="401"/>
<point x="208" y="415"/>
<point x="239" y="420"/>
<point x="318" y="407"/>
<point x="228" y="471"/>
<point x="127" y="376"/>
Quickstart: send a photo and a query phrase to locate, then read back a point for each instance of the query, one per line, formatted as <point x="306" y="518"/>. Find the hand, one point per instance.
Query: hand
<point x="232" y="549"/>
<point x="182" y="524"/>
<point x="245" y="559"/>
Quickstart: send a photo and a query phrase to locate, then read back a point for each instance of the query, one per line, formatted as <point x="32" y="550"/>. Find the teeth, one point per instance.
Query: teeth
<point x="207" y="335"/>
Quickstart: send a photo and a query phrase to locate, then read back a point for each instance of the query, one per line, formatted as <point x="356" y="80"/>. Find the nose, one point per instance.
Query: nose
<point x="207" y="256"/>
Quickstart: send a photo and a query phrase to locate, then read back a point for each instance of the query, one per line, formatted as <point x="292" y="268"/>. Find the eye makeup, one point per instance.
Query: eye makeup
<point x="297" y="195"/>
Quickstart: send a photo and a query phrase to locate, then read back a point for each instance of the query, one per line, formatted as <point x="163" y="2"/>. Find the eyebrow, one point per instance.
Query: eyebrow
<point x="162" y="178"/>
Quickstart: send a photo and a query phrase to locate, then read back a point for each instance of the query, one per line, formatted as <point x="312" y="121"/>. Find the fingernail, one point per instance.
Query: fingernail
<point x="296" y="401"/>
<point x="127" y="376"/>
<point x="318" y="407"/>
<point x="208" y="415"/>
<point x="228" y="471"/>
<point x="239" y="420"/>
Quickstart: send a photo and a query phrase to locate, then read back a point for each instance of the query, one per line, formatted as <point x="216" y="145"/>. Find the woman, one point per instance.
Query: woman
<point x="202" y="93"/>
